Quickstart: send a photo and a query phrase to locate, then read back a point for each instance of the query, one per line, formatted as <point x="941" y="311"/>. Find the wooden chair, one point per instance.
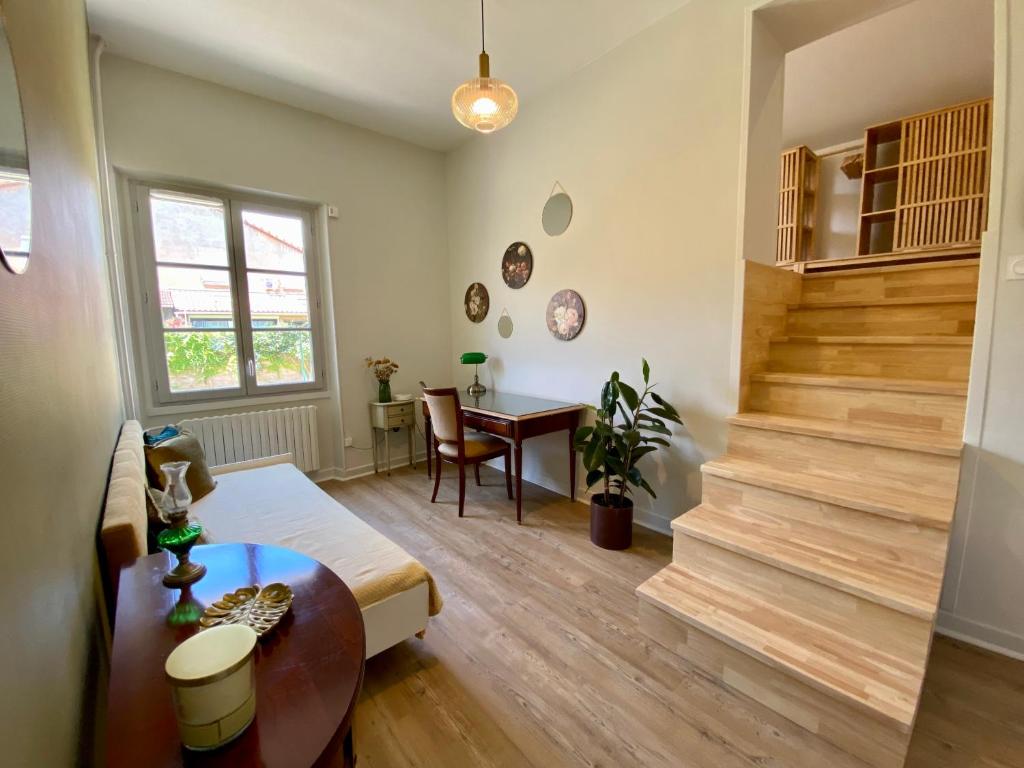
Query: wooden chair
<point x="451" y="443"/>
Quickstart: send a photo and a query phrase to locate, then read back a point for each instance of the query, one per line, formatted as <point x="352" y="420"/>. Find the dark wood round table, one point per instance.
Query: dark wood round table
<point x="309" y="668"/>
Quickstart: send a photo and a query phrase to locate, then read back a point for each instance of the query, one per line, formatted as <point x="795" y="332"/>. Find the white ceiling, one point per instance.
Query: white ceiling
<point x="386" y="65"/>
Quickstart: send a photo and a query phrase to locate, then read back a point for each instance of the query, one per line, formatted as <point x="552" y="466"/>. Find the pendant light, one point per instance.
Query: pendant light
<point x="484" y="103"/>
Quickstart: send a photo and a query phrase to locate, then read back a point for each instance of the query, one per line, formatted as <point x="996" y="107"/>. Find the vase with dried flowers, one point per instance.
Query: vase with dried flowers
<point x="383" y="370"/>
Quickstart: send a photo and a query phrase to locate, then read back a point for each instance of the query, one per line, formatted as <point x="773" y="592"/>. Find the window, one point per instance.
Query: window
<point x="229" y="294"/>
<point x="15" y="216"/>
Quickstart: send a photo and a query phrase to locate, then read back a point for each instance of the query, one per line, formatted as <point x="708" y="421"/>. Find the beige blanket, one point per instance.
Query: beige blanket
<point x="280" y="505"/>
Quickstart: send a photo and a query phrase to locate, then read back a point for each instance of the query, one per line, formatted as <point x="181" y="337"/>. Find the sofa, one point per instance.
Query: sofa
<point x="270" y="501"/>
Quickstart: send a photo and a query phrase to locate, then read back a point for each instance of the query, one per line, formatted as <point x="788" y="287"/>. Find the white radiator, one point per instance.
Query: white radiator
<point x="256" y="435"/>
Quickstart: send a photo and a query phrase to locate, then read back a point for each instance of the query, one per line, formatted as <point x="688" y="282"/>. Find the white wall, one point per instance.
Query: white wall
<point x="388" y="249"/>
<point x="645" y="141"/>
<point x="838" y="213"/>
<point x="925" y="55"/>
<point x="60" y="406"/>
<point x="982" y="594"/>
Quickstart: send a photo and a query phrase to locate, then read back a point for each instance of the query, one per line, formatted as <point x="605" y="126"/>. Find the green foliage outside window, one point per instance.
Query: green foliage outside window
<point x="203" y="357"/>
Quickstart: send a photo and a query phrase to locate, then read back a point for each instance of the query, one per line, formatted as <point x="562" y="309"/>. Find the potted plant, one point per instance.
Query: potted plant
<point x="628" y="426"/>
<point x="383" y="370"/>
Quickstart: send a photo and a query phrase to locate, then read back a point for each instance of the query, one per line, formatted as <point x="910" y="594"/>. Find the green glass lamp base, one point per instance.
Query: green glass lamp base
<point x="178" y="541"/>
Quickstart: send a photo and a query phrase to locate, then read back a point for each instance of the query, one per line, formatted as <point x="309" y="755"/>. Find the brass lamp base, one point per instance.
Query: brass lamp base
<point x="476" y="389"/>
<point x="184" y="573"/>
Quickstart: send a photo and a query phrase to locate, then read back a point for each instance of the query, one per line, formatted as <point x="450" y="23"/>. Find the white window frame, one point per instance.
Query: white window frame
<point x="148" y="291"/>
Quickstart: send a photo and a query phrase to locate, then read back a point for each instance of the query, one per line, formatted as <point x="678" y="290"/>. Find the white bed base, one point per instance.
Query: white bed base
<point x="387" y="622"/>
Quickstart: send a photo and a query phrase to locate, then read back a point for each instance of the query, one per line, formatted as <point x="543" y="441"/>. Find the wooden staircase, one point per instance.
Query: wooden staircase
<point x="809" y="576"/>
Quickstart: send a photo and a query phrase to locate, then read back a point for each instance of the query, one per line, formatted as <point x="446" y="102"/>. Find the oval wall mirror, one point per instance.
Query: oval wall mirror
<point x="15" y="189"/>
<point x="557" y="214"/>
<point x="505" y="326"/>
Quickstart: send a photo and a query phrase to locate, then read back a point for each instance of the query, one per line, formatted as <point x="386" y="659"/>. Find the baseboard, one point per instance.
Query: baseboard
<point x="323" y="475"/>
<point x="982" y="635"/>
<point x="362" y="470"/>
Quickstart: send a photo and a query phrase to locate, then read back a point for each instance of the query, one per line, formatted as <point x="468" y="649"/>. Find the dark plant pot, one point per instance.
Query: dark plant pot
<point x="384" y="392"/>
<point x="611" y="527"/>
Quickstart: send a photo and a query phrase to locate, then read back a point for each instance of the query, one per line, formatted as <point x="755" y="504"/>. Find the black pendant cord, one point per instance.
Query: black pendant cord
<point x="483" y="42"/>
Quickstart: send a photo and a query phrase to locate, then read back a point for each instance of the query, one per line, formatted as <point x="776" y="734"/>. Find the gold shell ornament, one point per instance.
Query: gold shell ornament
<point x="258" y="608"/>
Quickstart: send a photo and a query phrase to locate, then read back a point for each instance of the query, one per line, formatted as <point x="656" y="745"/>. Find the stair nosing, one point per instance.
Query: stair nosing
<point x="716" y="468"/>
<point x="932" y="341"/>
<point x="915" y="608"/>
<point x="849" y="381"/>
<point x="886" y="301"/>
<point x="779" y="664"/>
<point x="834" y="431"/>
<point x="856" y="271"/>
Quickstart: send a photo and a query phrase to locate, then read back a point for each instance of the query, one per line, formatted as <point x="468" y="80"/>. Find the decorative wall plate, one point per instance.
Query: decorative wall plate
<point x="566" y="315"/>
<point x="477" y="302"/>
<point x="258" y="608"/>
<point x="517" y="265"/>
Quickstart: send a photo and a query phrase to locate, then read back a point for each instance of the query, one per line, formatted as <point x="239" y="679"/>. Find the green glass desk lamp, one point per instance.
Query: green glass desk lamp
<point x="476" y="389"/>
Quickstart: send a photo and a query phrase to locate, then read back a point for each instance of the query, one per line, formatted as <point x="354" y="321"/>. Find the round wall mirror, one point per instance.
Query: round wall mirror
<point x="15" y="189"/>
<point x="557" y="214"/>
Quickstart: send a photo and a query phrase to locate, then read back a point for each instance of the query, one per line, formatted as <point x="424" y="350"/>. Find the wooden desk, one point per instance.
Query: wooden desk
<point x="516" y="417"/>
<point x="309" y="669"/>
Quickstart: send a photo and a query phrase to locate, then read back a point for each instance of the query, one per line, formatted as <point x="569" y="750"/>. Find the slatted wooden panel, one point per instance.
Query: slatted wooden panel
<point x="256" y="435"/>
<point x="797" y="192"/>
<point x="944" y="178"/>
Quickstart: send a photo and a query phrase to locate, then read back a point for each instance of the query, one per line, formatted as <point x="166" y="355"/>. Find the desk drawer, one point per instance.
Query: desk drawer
<point x="488" y="424"/>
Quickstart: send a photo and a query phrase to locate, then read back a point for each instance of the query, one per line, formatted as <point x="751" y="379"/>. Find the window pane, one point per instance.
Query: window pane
<point x="283" y="357"/>
<point x="278" y="301"/>
<point x="15" y="216"/>
<point x="198" y="361"/>
<point x="195" y="298"/>
<point x="274" y="242"/>
<point x="188" y="229"/>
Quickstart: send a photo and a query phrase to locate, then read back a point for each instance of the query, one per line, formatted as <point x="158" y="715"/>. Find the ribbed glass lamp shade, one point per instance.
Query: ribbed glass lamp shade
<point x="484" y="103"/>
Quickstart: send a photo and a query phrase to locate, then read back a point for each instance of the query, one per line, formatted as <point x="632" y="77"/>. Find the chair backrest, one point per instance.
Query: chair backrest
<point x="445" y="413"/>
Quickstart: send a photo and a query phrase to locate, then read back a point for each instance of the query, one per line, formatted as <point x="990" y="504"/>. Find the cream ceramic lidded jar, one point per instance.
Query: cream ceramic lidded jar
<point x="213" y="678"/>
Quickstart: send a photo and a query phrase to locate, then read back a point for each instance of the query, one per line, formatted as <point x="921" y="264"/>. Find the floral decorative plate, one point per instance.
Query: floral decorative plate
<point x="566" y="315"/>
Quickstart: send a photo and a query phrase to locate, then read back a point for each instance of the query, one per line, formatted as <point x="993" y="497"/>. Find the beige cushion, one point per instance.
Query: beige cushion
<point x="123" y="530"/>
<point x="477" y="444"/>
<point x="183" y="447"/>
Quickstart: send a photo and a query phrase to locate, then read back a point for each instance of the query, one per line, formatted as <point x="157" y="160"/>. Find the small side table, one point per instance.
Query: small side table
<point x="388" y="416"/>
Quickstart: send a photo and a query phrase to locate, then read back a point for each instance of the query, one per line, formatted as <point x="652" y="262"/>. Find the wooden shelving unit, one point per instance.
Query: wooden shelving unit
<point x="798" y="189"/>
<point x="926" y="181"/>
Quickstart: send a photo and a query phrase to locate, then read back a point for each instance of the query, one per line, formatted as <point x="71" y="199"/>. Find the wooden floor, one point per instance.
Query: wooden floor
<point x="537" y="658"/>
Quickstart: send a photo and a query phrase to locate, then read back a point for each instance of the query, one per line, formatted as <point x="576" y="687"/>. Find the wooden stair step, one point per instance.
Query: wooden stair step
<point x="866" y="356"/>
<point x="871" y="678"/>
<point x="920" y="386"/>
<point x="925" y="441"/>
<point x="861" y="491"/>
<point x="870" y="566"/>
<point x="891" y="301"/>
<point x="937" y="340"/>
<point x="952" y="319"/>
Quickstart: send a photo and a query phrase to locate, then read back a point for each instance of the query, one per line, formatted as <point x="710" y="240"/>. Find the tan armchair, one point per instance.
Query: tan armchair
<point x="452" y="445"/>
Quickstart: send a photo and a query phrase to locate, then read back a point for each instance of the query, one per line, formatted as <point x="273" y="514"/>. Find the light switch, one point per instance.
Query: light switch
<point x="1016" y="268"/>
<point x="332" y="211"/>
